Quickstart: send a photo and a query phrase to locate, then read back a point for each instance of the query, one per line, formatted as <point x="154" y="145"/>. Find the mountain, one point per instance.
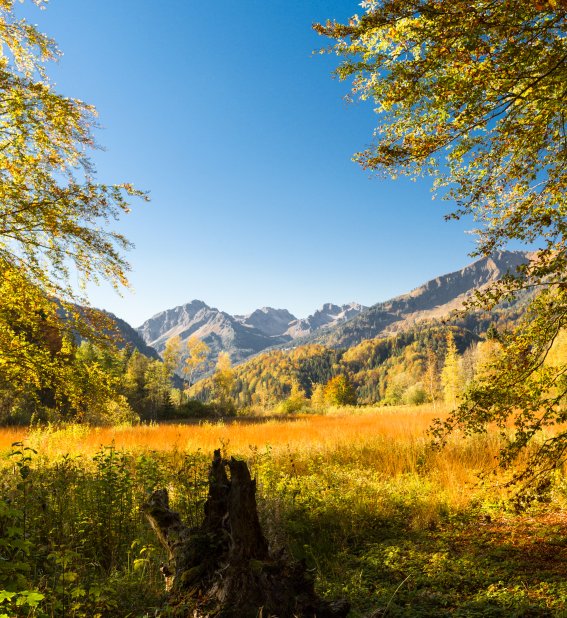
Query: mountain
<point x="391" y="352"/>
<point x="435" y="299"/>
<point x="241" y="336"/>
<point x="121" y="332"/>
<point x="328" y="316"/>
<point x="271" y="322"/>
<point x="332" y="325"/>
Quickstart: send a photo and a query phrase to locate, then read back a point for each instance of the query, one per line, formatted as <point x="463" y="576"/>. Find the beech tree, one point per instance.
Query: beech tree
<point x="172" y="353"/>
<point x="223" y="379"/>
<point x="54" y="215"/>
<point x="340" y="392"/>
<point x="473" y="93"/>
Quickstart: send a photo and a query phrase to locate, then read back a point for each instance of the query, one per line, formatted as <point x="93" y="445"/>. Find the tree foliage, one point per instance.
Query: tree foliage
<point x="339" y="391"/>
<point x="399" y="369"/>
<point x="54" y="215"/>
<point x="223" y="380"/>
<point x="474" y="94"/>
<point x="451" y="373"/>
<point x="198" y="352"/>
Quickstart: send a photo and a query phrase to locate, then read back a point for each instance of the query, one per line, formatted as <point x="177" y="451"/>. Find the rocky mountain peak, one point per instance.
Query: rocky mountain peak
<point x="270" y="321"/>
<point x="327" y="315"/>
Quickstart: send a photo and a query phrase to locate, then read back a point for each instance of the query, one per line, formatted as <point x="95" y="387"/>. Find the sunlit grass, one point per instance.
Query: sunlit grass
<point x="388" y="442"/>
<point x="304" y="431"/>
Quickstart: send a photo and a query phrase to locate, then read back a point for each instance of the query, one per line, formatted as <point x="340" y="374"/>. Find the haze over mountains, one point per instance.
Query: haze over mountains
<point x="332" y="325"/>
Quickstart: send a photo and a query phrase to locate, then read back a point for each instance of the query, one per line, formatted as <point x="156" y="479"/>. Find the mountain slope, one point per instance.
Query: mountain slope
<point x="331" y="325"/>
<point x="433" y="300"/>
<point x="221" y="331"/>
<point x="127" y="335"/>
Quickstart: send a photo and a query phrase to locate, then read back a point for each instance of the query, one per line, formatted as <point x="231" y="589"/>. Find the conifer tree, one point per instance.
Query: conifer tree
<point x="451" y="375"/>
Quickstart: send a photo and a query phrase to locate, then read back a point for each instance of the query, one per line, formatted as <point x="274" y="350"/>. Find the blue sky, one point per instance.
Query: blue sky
<point x="244" y="141"/>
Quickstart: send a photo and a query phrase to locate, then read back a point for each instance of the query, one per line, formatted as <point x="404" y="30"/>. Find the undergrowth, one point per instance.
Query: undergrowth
<point x="399" y="529"/>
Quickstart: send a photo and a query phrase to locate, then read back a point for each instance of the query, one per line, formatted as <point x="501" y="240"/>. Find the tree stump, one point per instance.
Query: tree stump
<point x="224" y="568"/>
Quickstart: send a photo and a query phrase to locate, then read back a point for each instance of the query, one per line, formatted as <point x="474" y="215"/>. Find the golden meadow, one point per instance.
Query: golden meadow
<point x="388" y="442"/>
<point x="359" y="494"/>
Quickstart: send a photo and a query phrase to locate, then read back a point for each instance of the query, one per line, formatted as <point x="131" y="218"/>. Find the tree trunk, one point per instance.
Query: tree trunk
<point x="224" y="568"/>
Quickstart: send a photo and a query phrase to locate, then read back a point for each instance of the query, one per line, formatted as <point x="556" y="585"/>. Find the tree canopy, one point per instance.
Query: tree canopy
<point x="54" y="215"/>
<point x="474" y="94"/>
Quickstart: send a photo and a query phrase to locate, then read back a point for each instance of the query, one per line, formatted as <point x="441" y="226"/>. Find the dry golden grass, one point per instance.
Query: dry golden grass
<point x="390" y="440"/>
<point x="371" y="446"/>
<point x="301" y="432"/>
<point x="9" y="435"/>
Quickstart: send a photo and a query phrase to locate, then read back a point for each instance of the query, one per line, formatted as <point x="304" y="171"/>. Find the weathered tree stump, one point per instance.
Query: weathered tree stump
<point x="224" y="568"/>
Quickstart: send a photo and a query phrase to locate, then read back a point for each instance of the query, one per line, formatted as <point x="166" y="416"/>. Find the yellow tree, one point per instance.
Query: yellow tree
<point x="53" y="213"/>
<point x="296" y="400"/>
<point x="198" y="352"/>
<point x="339" y="391"/>
<point x="451" y="373"/>
<point x="158" y="386"/>
<point x="172" y="354"/>
<point x="223" y="379"/>
<point x="318" y="396"/>
<point x="431" y="376"/>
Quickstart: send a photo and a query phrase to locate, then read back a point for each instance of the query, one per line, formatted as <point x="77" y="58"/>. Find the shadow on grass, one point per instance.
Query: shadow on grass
<point x="473" y="566"/>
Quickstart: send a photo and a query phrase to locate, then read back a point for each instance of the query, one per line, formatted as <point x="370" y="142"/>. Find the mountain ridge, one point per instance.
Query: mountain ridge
<point x="244" y="336"/>
<point x="241" y="335"/>
<point x="434" y="299"/>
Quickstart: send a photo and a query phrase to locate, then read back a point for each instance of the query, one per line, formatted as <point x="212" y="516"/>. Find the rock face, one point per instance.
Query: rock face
<point x="435" y="299"/>
<point x="271" y="322"/>
<point x="225" y="567"/>
<point x="331" y="325"/>
<point x="328" y="316"/>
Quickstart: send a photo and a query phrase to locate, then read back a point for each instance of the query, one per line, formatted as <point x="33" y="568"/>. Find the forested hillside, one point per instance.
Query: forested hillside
<point x="406" y="367"/>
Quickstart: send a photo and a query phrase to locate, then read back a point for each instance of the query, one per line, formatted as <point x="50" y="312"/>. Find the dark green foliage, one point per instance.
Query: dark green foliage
<point x="71" y="532"/>
<point x="193" y="408"/>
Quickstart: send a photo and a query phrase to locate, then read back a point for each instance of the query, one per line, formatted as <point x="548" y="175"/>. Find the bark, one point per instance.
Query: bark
<point x="224" y="568"/>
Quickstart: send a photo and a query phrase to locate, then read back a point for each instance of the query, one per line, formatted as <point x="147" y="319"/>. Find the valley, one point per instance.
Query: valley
<point x="283" y="426"/>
